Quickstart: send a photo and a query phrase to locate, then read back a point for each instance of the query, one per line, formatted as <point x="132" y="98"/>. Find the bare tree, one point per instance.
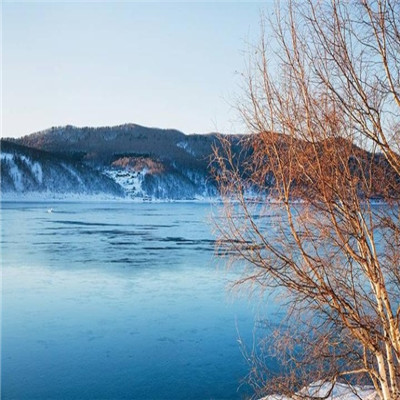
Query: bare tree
<point x="322" y="99"/>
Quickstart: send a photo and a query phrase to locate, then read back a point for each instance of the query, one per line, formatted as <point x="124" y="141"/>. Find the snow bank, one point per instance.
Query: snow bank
<point x="340" y="392"/>
<point x="53" y="196"/>
<point x="82" y="197"/>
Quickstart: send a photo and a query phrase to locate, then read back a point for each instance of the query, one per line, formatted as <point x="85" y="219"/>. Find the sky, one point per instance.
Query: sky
<point x="167" y="65"/>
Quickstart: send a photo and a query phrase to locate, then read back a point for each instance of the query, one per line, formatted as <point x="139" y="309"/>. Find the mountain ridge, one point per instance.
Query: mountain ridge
<point x="144" y="162"/>
<point x="129" y="161"/>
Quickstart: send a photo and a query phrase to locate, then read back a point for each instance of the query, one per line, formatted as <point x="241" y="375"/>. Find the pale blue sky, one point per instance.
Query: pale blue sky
<point x="170" y="65"/>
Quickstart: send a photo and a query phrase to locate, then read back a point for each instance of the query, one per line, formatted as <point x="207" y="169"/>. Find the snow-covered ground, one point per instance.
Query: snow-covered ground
<point x="82" y="197"/>
<point x="322" y="390"/>
<point x="130" y="180"/>
<point x="54" y="196"/>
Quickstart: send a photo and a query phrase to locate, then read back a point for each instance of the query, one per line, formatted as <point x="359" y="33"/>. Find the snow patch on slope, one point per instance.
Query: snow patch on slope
<point x="73" y="173"/>
<point x="185" y="146"/>
<point x="131" y="181"/>
<point x="35" y="167"/>
<point x="14" y="170"/>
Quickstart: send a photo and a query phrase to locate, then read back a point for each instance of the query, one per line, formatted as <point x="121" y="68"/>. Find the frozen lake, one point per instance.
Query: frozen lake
<point x="118" y="301"/>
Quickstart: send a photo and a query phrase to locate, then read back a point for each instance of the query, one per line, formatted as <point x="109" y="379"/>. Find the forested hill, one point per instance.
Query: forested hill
<point x="31" y="172"/>
<point x="102" y="144"/>
<point x="143" y="163"/>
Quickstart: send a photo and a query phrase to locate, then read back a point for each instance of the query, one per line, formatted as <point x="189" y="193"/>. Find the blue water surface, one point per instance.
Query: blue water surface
<point x="119" y="301"/>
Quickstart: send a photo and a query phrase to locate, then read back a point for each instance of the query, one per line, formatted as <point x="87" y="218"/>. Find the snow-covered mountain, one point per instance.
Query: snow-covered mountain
<point x="129" y="160"/>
